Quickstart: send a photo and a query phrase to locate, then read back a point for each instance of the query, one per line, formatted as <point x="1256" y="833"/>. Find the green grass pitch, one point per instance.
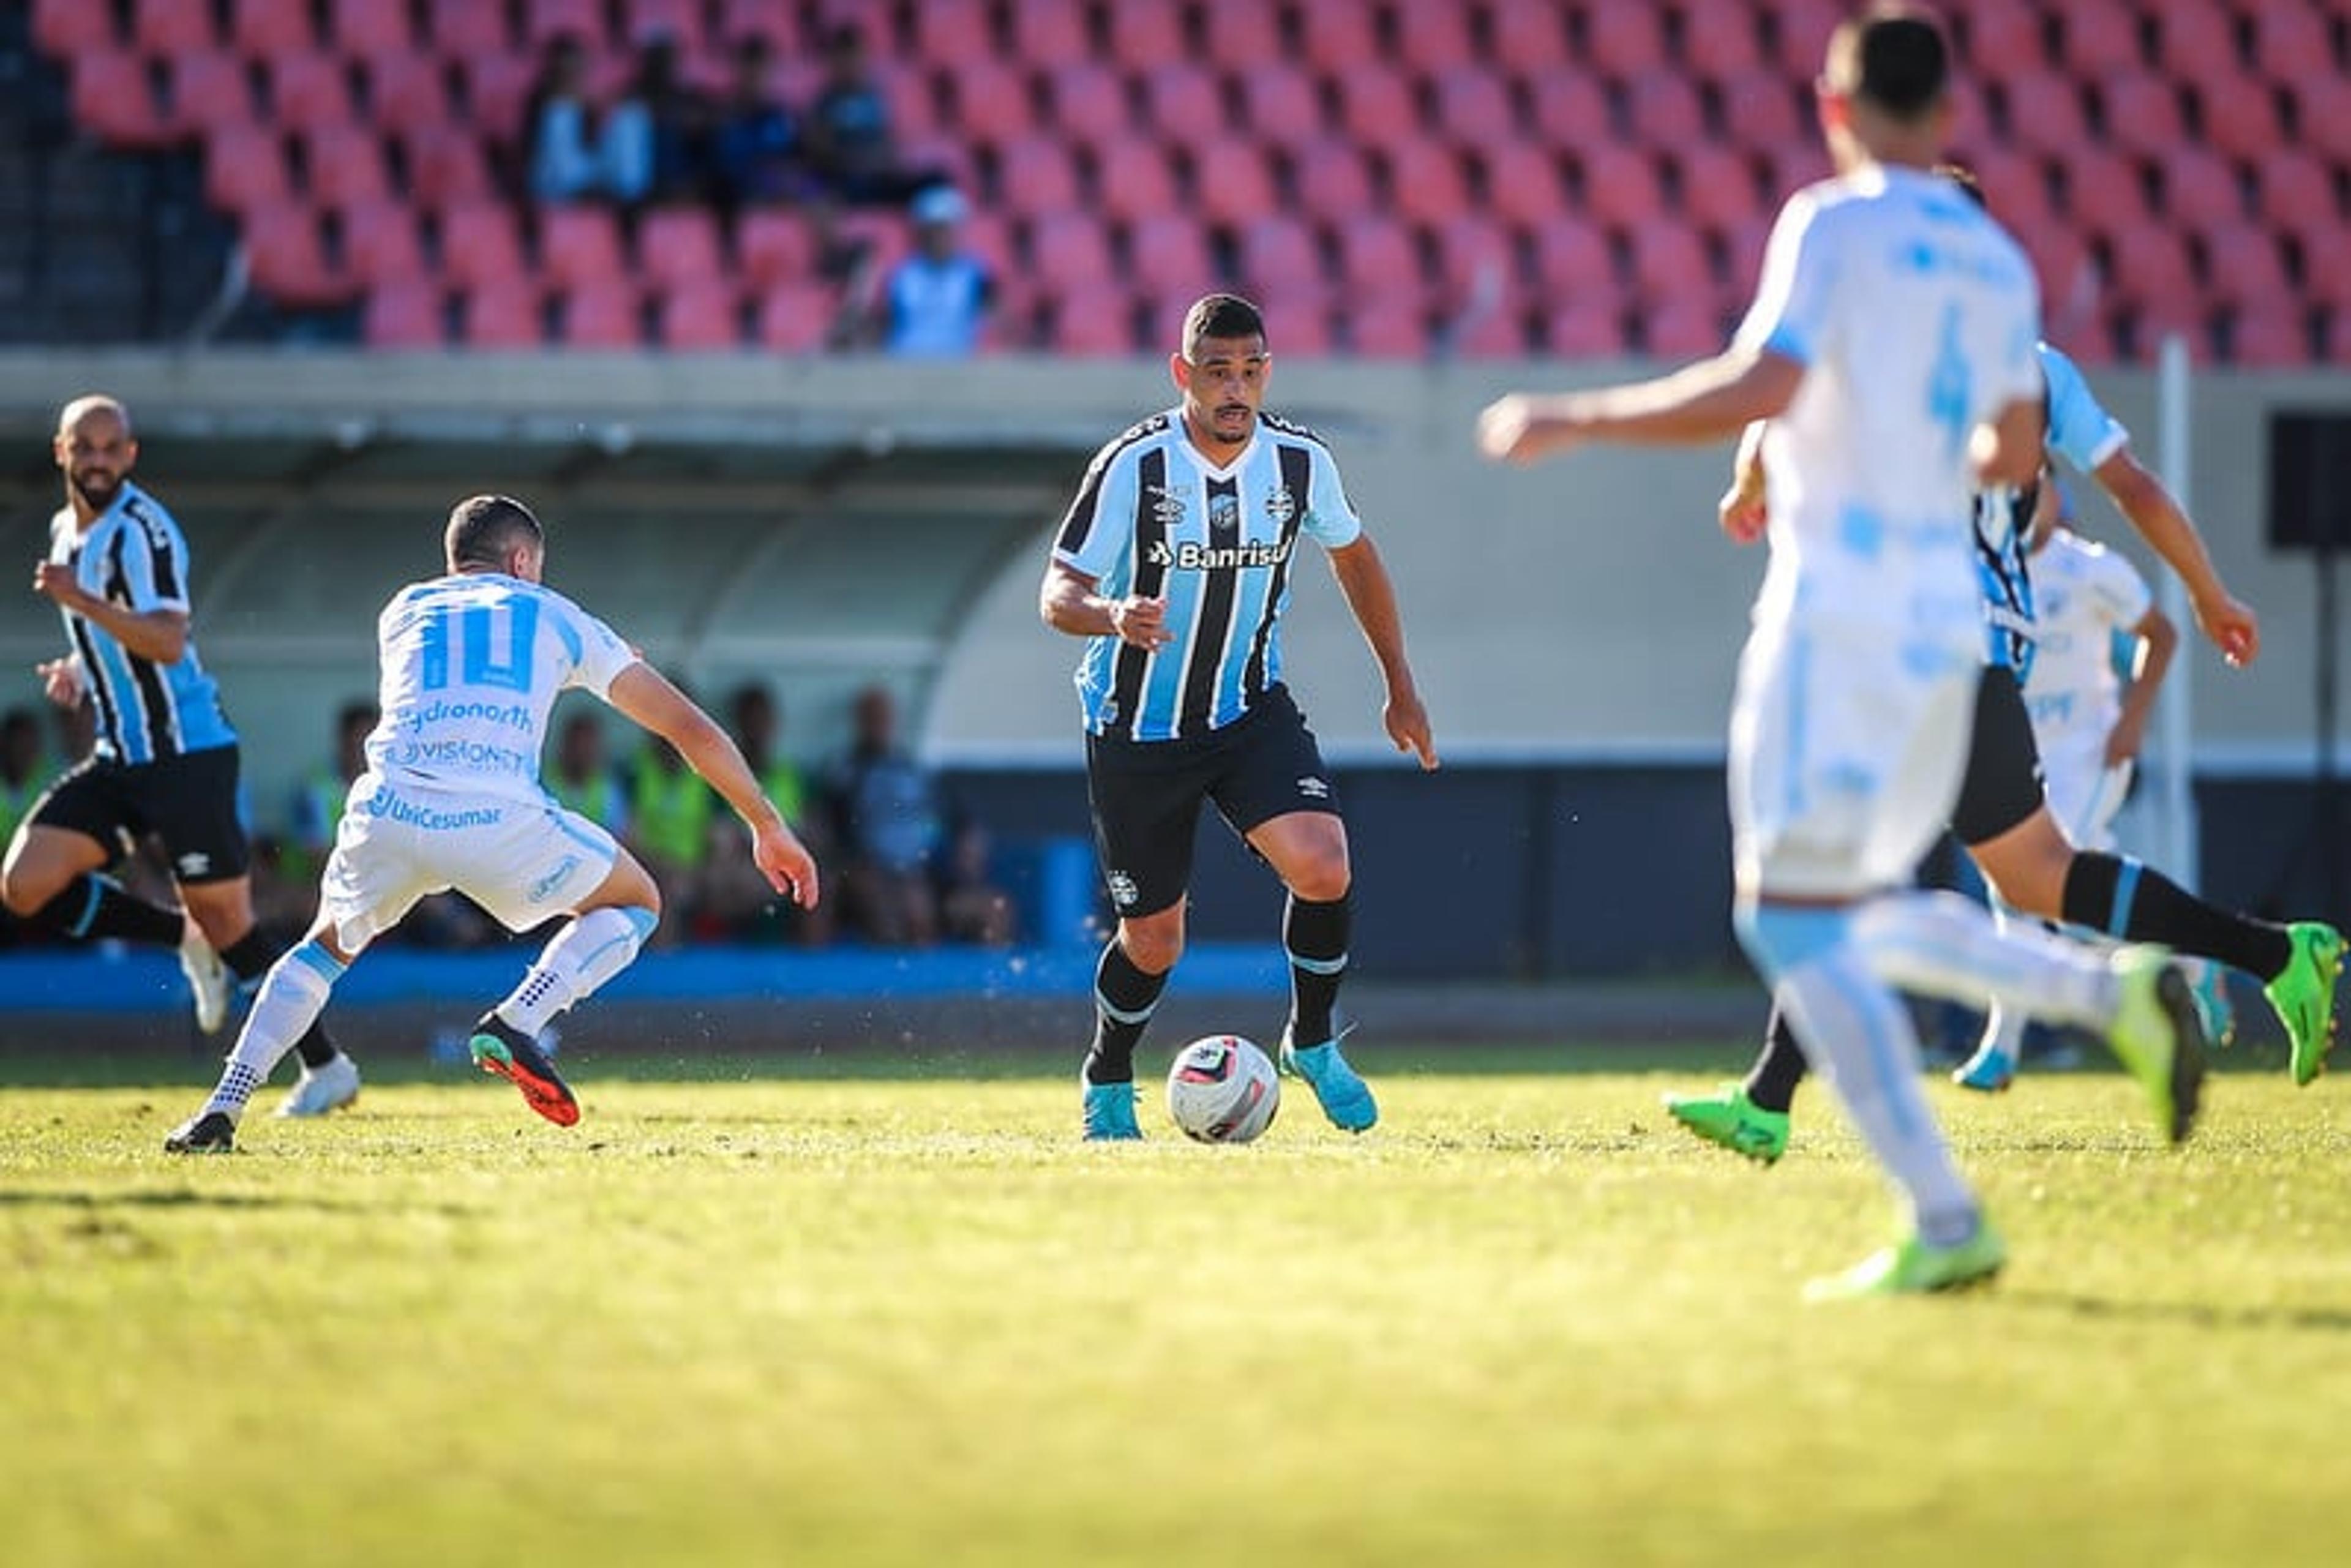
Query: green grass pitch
<point x="790" y="1314"/>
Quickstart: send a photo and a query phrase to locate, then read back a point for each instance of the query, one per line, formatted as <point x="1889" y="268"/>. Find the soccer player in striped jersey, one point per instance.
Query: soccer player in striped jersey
<point x="1890" y="343"/>
<point x="166" y="759"/>
<point x="1173" y="565"/>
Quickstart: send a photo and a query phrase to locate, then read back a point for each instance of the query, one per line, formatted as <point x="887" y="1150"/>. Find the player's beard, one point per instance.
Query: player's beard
<point x="1245" y="416"/>
<point x="94" y="494"/>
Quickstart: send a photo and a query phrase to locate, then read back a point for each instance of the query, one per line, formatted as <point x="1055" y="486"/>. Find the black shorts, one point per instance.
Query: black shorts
<point x="1146" y="795"/>
<point x="188" y="801"/>
<point x="2003" y="784"/>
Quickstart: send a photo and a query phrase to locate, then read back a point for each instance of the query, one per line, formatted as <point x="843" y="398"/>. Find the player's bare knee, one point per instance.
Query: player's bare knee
<point x="1322" y="877"/>
<point x="1152" y="946"/>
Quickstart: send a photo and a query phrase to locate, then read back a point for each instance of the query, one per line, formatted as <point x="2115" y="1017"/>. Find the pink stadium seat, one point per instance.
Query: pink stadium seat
<point x="1238" y="35"/>
<point x="796" y="317"/>
<point x="678" y="247"/>
<point x="1497" y="334"/>
<point x="445" y="164"/>
<point x="1798" y="36"/>
<point x="1625" y="40"/>
<point x="1761" y="111"/>
<point x="1037" y="174"/>
<point x="2269" y="336"/>
<point x="2293" y="189"/>
<point x="2015" y="188"/>
<point x="2103" y="192"/>
<point x="2042" y="111"/>
<point x="1669" y="262"/>
<point x="290" y="260"/>
<point x="1680" y="329"/>
<point x="1377" y="257"/>
<point x="1664" y="111"/>
<point x="209" y="88"/>
<point x="1280" y="102"/>
<point x="2197" y="43"/>
<point x="1051" y="35"/>
<point x="1722" y="44"/>
<point x="2244" y="269"/>
<point x="1302" y="328"/>
<point x="1088" y="102"/>
<point x="679" y="19"/>
<point x="1472" y="105"/>
<point x="1741" y="249"/>
<point x="507" y="314"/>
<point x="2070" y="277"/>
<point x="404" y="316"/>
<point x="1619" y="185"/>
<point x="546" y="19"/>
<point x="606" y="315"/>
<point x="2201" y="191"/>
<point x="1529" y="39"/>
<point x="380" y="243"/>
<point x="246" y="168"/>
<point x="2099" y="38"/>
<point x="1997" y="35"/>
<point x="497" y="87"/>
<point x="1332" y="178"/>
<point x="989" y="234"/>
<point x="1474" y="260"/>
<point x="777" y="21"/>
<point x="308" y="89"/>
<point x="775" y="247"/>
<point x="1522" y="182"/>
<point x="2142" y="112"/>
<point x="467" y="30"/>
<point x="1584" y="330"/>
<point x="481" y="244"/>
<point x="406" y="89"/>
<point x="1142" y="38"/>
<point x="2323" y="109"/>
<point x="1434" y="40"/>
<point x="2325" y="284"/>
<point x="704" y="317"/>
<point x="1232" y="183"/>
<point x="1375" y="106"/>
<point x="266" y="29"/>
<point x="579" y="246"/>
<point x="1568" y="111"/>
<point x="949" y="33"/>
<point x="1717" y="185"/>
<point x="113" y="100"/>
<point x="993" y="99"/>
<point x="1789" y="169"/>
<point x="1134" y="178"/>
<point x="1166" y="253"/>
<point x="1571" y="260"/>
<point x="1096" y="322"/>
<point x="1425" y="181"/>
<point x="344" y="164"/>
<point x="369" y="29"/>
<point x="1385" y="330"/>
<point x="2291" y="43"/>
<point x="166" y="28"/>
<point x="1337" y="41"/>
<point x="1070" y="250"/>
<point x="71" y="29"/>
<point x="1279" y="253"/>
<point x="1182" y="99"/>
<point x="2241" y="119"/>
<point x="2148" y="268"/>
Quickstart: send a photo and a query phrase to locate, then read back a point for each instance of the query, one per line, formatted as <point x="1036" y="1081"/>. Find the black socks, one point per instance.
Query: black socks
<point x="1124" y="997"/>
<point x="2117" y="896"/>
<point x="92" y="907"/>
<point x="1315" y="936"/>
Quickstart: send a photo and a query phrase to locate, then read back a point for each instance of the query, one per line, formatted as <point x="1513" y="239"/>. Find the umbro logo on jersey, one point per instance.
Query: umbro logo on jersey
<point x="1166" y="505"/>
<point x="1190" y="556"/>
<point x="1314" y="789"/>
<point x="194" y="863"/>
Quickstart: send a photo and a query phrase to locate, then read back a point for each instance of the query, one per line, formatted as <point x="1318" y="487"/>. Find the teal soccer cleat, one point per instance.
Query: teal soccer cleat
<point x="1346" y="1098"/>
<point x="1110" y="1113"/>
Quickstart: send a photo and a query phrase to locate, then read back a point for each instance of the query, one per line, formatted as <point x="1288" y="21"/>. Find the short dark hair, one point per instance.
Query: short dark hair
<point x="1962" y="176"/>
<point x="1893" y="55"/>
<point x="484" y="528"/>
<point x="1220" y="316"/>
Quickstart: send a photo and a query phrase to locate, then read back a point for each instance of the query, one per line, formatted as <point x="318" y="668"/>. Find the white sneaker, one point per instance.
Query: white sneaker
<point x="208" y="979"/>
<point x="323" y="1089"/>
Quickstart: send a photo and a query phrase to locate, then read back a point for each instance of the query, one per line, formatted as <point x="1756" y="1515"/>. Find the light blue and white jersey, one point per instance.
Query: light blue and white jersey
<point x="1153" y="517"/>
<point x="2088" y="594"/>
<point x="134" y="555"/>
<point x="1914" y="316"/>
<point x="472" y="665"/>
<point x="935" y="308"/>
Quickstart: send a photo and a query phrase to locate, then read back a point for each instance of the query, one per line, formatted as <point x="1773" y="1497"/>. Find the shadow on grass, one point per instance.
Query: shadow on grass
<point x="94" y="1202"/>
<point x="2194" y="1315"/>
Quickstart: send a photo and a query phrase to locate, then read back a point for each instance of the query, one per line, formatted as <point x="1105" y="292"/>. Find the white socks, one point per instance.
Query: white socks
<point x="1940" y="945"/>
<point x="292" y="996"/>
<point x="581" y="957"/>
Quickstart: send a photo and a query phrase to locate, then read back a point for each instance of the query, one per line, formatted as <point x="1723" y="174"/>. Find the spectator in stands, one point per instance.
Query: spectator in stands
<point x="935" y="302"/>
<point x="318" y="801"/>
<point x="740" y="907"/>
<point x="656" y="142"/>
<point x="562" y="161"/>
<point x="972" y="908"/>
<point x="889" y="824"/>
<point x="583" y="779"/>
<point x="670" y="808"/>
<point x="756" y="145"/>
<point x="852" y="148"/>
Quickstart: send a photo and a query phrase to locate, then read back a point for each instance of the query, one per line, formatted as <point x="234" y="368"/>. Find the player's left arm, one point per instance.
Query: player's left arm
<point x="1371" y="595"/>
<point x="158" y="635"/>
<point x="1706" y="401"/>
<point x="2142" y="499"/>
<point x="2158" y="640"/>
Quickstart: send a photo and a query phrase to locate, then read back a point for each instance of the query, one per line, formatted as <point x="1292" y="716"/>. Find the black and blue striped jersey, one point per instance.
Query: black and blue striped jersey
<point x="135" y="556"/>
<point x="1153" y="517"/>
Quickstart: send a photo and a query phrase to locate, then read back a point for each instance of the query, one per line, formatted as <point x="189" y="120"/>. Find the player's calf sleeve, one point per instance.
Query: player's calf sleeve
<point x="1941" y="945"/>
<point x="2126" y="899"/>
<point x="1124" y="996"/>
<point x="1315" y="936"/>
<point x="286" y="1008"/>
<point x="250" y="956"/>
<point x="93" y="906"/>
<point x="581" y="957"/>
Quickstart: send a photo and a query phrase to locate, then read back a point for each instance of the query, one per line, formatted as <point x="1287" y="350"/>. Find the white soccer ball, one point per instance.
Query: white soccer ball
<point x="1222" y="1090"/>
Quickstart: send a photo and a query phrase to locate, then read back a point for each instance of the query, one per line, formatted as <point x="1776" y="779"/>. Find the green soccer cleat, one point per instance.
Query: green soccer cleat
<point x="2156" y="1035"/>
<point x="2303" y="995"/>
<point x="1734" y="1121"/>
<point x="1913" y="1267"/>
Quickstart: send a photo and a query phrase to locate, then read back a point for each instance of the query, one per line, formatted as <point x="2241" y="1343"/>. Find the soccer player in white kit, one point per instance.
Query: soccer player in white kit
<point x="471" y="666"/>
<point x="1891" y="343"/>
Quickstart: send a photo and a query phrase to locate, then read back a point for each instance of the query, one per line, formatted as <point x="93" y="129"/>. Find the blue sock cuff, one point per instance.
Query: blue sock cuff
<point x="1780" y="937"/>
<point x="94" y="888"/>
<point x="312" y="954"/>
<point x="641" y="920"/>
<point x="2125" y="894"/>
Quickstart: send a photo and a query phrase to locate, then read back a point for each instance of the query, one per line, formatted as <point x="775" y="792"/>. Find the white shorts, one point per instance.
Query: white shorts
<point x="2085" y="794"/>
<point x="1847" y="746"/>
<point x="522" y="862"/>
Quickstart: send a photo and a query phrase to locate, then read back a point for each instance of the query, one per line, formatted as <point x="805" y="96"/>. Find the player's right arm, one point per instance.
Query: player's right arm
<point x="1095" y="534"/>
<point x="2141" y="497"/>
<point x="646" y="695"/>
<point x="61" y="680"/>
<point x="1069" y="602"/>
